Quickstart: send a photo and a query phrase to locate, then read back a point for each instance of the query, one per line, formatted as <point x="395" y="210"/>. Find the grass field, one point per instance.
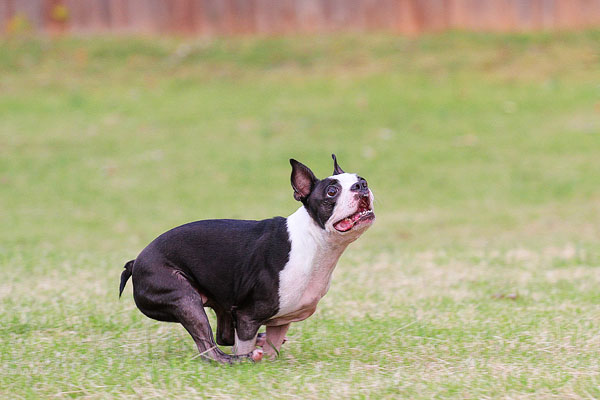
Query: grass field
<point x="480" y="278"/>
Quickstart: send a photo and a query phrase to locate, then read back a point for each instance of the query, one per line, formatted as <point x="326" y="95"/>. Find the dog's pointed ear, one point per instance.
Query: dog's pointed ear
<point x="336" y="168"/>
<point x="303" y="180"/>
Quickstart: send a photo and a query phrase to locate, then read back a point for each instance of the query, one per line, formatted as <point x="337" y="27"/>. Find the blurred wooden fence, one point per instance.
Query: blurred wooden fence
<point x="226" y="17"/>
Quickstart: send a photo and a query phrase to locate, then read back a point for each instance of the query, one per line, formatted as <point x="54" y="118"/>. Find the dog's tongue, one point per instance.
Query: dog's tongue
<point x="344" y="225"/>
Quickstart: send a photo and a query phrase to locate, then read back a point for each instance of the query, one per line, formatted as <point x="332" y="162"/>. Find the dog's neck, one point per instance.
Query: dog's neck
<point x="315" y="251"/>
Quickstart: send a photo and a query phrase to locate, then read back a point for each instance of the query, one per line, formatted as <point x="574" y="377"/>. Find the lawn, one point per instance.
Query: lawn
<point x="479" y="279"/>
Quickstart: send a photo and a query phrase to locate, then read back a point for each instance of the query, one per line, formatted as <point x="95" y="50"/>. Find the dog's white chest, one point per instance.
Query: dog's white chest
<point x="306" y="277"/>
<point x="302" y="283"/>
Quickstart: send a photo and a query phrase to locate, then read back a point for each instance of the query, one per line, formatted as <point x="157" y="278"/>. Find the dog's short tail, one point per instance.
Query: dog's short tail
<point x="125" y="276"/>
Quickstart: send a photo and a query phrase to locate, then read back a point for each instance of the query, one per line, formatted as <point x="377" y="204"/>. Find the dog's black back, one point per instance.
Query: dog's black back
<point x="217" y="252"/>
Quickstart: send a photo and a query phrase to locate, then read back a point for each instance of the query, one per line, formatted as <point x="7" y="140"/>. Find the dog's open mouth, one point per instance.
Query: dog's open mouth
<point x="363" y="214"/>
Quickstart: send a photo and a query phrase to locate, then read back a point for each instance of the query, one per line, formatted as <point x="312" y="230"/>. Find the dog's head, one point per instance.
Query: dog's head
<point x="341" y="203"/>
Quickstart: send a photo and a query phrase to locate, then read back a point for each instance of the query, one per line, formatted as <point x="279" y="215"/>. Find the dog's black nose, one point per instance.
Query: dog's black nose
<point x="361" y="187"/>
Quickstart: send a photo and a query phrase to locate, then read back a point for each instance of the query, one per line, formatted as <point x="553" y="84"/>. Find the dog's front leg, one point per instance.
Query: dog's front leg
<point x="275" y="338"/>
<point x="246" y="330"/>
<point x="244" y="346"/>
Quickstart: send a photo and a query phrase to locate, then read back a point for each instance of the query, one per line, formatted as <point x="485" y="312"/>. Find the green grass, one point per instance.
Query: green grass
<point x="479" y="279"/>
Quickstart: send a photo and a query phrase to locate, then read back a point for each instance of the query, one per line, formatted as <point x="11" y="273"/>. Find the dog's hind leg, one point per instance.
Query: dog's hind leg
<point x="193" y="318"/>
<point x="166" y="294"/>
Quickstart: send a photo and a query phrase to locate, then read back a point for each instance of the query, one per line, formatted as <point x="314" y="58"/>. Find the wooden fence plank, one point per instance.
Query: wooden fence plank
<point x="231" y="17"/>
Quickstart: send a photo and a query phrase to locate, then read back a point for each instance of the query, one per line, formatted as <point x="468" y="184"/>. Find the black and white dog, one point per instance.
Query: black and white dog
<point x="251" y="273"/>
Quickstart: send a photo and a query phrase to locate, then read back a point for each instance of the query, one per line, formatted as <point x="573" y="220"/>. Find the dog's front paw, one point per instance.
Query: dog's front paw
<point x="257" y="355"/>
<point x="271" y="353"/>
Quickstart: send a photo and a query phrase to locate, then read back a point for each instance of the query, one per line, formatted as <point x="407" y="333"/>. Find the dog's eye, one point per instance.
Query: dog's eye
<point x="332" y="191"/>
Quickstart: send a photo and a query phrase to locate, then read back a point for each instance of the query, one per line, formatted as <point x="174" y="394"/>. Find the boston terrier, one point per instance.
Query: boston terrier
<point x="252" y="273"/>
